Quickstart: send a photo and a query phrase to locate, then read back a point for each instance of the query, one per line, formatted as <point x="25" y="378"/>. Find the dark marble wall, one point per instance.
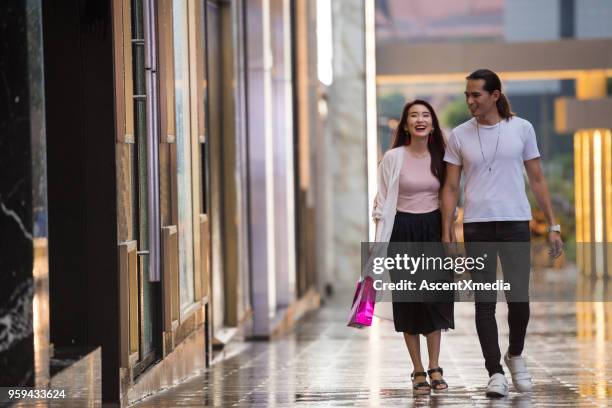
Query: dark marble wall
<point x="21" y="159"/>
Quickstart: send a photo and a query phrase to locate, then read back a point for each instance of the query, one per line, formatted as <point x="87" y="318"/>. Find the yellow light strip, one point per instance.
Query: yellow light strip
<point x="578" y="199"/>
<point x="607" y="165"/>
<point x="504" y="75"/>
<point x="591" y="84"/>
<point x="598" y="220"/>
<point x="586" y="185"/>
<point x="40" y="310"/>
<point x="597" y="191"/>
<point x="586" y="198"/>
<point x="607" y="153"/>
<point x="371" y="116"/>
<point x="608" y="306"/>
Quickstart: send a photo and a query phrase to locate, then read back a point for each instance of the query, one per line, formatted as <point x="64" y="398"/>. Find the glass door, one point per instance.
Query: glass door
<point x="142" y="184"/>
<point x="184" y="154"/>
<point x="215" y="149"/>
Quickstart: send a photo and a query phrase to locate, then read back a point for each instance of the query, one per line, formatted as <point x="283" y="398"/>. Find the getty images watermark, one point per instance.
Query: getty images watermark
<point x="413" y="265"/>
<point x="487" y="271"/>
<point x="432" y="271"/>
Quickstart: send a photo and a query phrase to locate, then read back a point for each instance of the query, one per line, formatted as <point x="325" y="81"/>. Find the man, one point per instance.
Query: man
<point x="492" y="149"/>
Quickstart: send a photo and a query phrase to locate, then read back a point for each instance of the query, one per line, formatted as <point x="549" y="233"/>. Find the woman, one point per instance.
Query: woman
<point x="406" y="209"/>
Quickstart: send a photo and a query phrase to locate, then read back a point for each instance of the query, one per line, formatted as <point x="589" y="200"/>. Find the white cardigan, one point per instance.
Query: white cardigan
<point x="385" y="203"/>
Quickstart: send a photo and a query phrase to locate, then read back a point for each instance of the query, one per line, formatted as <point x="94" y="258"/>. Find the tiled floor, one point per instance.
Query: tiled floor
<point x="325" y="364"/>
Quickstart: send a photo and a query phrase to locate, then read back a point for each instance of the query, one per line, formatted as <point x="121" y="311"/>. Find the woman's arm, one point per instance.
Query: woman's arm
<point x="538" y="185"/>
<point x="381" y="193"/>
<point x="450" y="196"/>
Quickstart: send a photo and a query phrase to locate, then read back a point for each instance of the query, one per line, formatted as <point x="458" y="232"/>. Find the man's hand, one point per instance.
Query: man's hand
<point x="556" y="244"/>
<point x="540" y="191"/>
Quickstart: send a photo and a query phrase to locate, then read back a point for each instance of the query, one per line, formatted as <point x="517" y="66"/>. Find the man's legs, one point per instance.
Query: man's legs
<point x="486" y="324"/>
<point x="518" y="318"/>
<point x="486" y="327"/>
<point x="514" y="254"/>
<point x="515" y="258"/>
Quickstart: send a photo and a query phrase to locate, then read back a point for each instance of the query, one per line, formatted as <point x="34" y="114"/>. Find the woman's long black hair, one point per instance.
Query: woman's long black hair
<point x="435" y="145"/>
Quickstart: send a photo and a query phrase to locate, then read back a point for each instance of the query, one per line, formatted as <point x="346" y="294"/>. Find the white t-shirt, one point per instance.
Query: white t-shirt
<point x="497" y="194"/>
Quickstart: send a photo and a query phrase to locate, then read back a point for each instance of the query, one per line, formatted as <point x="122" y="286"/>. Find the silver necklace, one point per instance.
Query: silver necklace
<point x="489" y="165"/>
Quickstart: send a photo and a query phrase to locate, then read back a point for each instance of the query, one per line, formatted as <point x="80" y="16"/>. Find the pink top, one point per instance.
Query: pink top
<point x="418" y="187"/>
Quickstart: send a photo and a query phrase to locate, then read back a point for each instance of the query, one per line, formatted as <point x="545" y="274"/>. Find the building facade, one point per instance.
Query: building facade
<point x="157" y="193"/>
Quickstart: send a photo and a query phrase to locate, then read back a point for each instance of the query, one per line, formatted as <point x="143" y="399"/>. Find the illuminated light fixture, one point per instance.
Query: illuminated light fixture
<point x="607" y="166"/>
<point x="586" y="198"/>
<point x="371" y="115"/>
<point x="325" y="51"/>
<point x="597" y="191"/>
<point x="578" y="199"/>
<point x="598" y="220"/>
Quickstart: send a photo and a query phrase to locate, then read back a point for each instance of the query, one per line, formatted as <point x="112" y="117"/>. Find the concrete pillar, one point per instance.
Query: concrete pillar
<point x="282" y="107"/>
<point x="346" y="142"/>
<point x="261" y="165"/>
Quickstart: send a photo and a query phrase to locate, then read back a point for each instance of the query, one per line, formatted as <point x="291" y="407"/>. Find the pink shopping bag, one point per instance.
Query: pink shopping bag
<point x="362" y="309"/>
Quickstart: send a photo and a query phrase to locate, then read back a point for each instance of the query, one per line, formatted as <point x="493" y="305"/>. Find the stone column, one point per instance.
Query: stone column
<point x="261" y="170"/>
<point x="347" y="141"/>
<point x="282" y="108"/>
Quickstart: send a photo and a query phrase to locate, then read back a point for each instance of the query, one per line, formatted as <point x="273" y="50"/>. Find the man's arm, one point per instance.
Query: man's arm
<point x="449" y="198"/>
<point x="538" y="185"/>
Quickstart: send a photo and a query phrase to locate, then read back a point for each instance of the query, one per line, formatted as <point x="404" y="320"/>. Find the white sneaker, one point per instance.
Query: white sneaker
<point x="520" y="376"/>
<point x="497" y="386"/>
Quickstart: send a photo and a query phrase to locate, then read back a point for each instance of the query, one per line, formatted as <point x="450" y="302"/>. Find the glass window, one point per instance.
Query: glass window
<point x="183" y="148"/>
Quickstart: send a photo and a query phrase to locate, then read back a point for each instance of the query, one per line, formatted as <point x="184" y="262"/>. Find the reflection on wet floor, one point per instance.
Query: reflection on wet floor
<point x="323" y="363"/>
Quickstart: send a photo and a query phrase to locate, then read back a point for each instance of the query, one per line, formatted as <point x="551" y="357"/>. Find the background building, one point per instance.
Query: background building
<point x="553" y="58"/>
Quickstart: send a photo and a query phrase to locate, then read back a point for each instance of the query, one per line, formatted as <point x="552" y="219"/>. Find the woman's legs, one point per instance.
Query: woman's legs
<point x="433" y="349"/>
<point x="414" y="348"/>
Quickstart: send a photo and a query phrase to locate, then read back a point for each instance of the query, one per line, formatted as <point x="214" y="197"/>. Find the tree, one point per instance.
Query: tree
<point x="454" y="114"/>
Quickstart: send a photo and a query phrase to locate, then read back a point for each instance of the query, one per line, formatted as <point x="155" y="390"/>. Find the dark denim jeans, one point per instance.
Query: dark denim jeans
<point x="516" y="267"/>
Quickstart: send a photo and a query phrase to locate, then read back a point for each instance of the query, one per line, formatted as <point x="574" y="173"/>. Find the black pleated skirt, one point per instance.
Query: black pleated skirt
<point x="420" y="317"/>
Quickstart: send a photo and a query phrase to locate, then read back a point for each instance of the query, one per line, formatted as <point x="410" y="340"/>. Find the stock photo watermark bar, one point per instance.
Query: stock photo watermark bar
<point x="485" y="271"/>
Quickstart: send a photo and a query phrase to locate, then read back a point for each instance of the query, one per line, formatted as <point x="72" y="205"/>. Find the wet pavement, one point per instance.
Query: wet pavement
<point x="323" y="363"/>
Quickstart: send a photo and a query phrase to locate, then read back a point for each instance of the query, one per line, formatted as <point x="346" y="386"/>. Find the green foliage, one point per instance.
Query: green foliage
<point x="454" y="114"/>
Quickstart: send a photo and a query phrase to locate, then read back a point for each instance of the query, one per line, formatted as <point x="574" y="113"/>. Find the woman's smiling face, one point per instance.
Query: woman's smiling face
<point x="419" y="121"/>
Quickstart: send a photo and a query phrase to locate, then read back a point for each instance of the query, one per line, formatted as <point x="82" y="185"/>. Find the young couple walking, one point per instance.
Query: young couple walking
<point x="418" y="190"/>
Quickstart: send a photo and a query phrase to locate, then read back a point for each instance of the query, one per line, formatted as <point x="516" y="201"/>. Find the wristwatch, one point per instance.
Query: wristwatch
<point x="554" y="228"/>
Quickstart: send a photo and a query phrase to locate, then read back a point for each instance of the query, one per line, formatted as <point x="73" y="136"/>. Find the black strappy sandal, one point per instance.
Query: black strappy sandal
<point x="436" y="383"/>
<point x="419" y="388"/>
